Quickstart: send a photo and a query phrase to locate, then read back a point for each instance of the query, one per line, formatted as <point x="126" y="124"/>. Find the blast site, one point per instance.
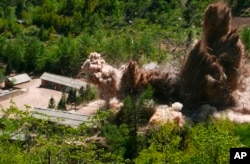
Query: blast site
<point x="212" y="80"/>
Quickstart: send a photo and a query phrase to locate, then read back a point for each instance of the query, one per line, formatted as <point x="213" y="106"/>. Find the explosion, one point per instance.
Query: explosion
<point x="211" y="72"/>
<point x="105" y="77"/>
<point x="211" y="81"/>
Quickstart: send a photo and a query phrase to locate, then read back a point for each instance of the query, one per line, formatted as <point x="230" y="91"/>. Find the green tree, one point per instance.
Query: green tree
<point x="8" y="68"/>
<point x="86" y="94"/>
<point x="51" y="142"/>
<point x="90" y="93"/>
<point x="128" y="116"/>
<point x="211" y="143"/>
<point x="242" y="130"/>
<point x="164" y="144"/>
<point x="81" y="95"/>
<point x="72" y="97"/>
<point x="3" y="43"/>
<point x="2" y="77"/>
<point x="134" y="113"/>
<point x="52" y="103"/>
<point x="207" y="142"/>
<point x="33" y="52"/>
<point x="68" y="7"/>
<point x="77" y="23"/>
<point x="62" y="103"/>
<point x="15" y="52"/>
<point x="43" y="34"/>
<point x="116" y="137"/>
<point x="68" y="57"/>
<point x="145" y="105"/>
<point x="20" y="7"/>
<point x="245" y="35"/>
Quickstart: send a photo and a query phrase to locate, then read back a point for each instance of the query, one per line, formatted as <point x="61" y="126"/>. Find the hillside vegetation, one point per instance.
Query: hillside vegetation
<point x="46" y="142"/>
<point x="45" y="35"/>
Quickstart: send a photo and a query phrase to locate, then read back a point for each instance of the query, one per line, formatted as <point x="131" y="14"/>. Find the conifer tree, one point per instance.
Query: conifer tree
<point x="52" y="103"/>
<point x="62" y="103"/>
<point x="71" y="97"/>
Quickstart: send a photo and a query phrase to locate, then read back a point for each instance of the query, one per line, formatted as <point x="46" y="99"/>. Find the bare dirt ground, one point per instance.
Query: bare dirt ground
<point x="35" y="96"/>
<point x="91" y="108"/>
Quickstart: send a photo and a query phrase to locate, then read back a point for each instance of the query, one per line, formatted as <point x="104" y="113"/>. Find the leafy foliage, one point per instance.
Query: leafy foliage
<point x="62" y="103"/>
<point x="71" y="99"/>
<point x="204" y="143"/>
<point x="90" y="93"/>
<point x="245" y="35"/>
<point x="207" y="142"/>
<point x="60" y="34"/>
<point x="242" y="131"/>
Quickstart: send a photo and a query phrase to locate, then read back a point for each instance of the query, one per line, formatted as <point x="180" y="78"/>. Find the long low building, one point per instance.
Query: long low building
<point x="17" y="79"/>
<point x="60" y="117"/>
<point x="58" y="82"/>
<point x="56" y="116"/>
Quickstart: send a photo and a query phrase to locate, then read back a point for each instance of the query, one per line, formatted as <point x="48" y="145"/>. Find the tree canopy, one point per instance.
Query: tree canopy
<point x="38" y="36"/>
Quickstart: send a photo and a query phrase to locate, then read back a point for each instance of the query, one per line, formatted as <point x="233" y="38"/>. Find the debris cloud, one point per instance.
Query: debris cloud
<point x="212" y="80"/>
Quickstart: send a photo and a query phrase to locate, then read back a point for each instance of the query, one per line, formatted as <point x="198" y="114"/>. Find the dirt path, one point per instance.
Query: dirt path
<point x="91" y="108"/>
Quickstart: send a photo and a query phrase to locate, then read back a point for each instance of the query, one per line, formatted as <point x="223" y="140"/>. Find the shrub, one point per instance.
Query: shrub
<point x="207" y="142"/>
<point x="245" y="35"/>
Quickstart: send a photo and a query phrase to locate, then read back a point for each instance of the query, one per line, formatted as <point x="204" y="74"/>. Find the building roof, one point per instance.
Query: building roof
<point x="15" y="136"/>
<point x="58" y="116"/>
<point x="18" y="79"/>
<point x="66" y="81"/>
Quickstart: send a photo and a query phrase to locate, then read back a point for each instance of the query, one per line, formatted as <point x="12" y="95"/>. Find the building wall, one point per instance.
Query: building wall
<point x="52" y="85"/>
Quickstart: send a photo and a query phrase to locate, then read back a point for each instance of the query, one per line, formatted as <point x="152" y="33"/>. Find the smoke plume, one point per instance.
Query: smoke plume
<point x="212" y="79"/>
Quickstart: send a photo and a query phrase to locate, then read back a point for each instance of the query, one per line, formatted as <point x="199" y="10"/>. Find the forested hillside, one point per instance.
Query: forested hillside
<point x="58" y="35"/>
<point x="44" y="35"/>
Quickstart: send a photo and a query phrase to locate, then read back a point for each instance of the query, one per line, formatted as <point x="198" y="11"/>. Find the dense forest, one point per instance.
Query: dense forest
<point x="44" y="35"/>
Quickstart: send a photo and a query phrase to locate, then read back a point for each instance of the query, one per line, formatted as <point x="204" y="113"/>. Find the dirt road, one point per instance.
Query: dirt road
<point x="91" y="107"/>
